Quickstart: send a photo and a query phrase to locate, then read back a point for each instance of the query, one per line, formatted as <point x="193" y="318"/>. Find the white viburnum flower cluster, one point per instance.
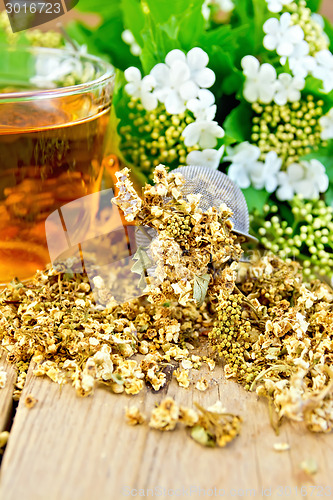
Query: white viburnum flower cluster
<point x="247" y="170"/>
<point x="277" y="5"/>
<point x="326" y="123"/>
<point x="263" y="85"/>
<point x="181" y="83"/>
<point x="306" y="178"/>
<point x="288" y="41"/>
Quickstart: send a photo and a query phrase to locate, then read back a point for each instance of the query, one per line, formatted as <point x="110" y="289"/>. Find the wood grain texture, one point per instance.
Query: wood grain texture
<point x="67" y="448"/>
<point x="6" y="394"/>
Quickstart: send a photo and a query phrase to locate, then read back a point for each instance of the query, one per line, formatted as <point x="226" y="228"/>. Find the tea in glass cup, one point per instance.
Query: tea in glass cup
<point x="54" y="113"/>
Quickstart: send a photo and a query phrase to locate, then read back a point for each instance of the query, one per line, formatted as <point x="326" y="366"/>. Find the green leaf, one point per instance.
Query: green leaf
<point x="314" y="5"/>
<point x="107" y="39"/>
<point x="134" y="18"/>
<point x="162" y="10"/>
<point x="329" y="31"/>
<point x="170" y="26"/>
<point x="101" y="7"/>
<point x="329" y="195"/>
<point x="238" y="124"/>
<point x="156" y="43"/>
<point x="200" y="287"/>
<point x="220" y="45"/>
<point x="315" y="87"/>
<point x="255" y="198"/>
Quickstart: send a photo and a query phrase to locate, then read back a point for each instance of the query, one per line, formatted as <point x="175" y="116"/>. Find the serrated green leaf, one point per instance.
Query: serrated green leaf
<point x="200" y="287"/>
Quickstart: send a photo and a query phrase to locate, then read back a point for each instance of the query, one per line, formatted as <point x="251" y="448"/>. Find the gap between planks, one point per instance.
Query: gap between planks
<point x="68" y="448"/>
<point x="6" y="394"/>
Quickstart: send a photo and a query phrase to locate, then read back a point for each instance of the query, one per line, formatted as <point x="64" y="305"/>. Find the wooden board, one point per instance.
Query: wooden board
<point x="67" y="448"/>
<point x="6" y="394"/>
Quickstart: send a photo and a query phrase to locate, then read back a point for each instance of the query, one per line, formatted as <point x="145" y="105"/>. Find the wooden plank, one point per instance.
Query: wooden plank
<point x="67" y="448"/>
<point x="6" y="394"/>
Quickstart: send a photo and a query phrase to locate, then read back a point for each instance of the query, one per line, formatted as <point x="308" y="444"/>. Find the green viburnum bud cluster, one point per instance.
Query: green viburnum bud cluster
<point x="179" y="227"/>
<point x="291" y="130"/>
<point x="314" y="35"/>
<point x="308" y="238"/>
<point x="36" y="37"/>
<point x="154" y="137"/>
<point x="231" y="338"/>
<point x="51" y="39"/>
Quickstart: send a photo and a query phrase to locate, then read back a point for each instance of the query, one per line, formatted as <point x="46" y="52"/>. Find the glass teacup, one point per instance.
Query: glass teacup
<point x="54" y="113"/>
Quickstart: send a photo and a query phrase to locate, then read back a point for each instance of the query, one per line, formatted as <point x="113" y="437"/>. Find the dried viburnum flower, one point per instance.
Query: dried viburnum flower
<point x="182" y="378"/>
<point x="215" y="429"/>
<point x="202" y="384"/>
<point x="191" y="248"/>
<point x="134" y="416"/>
<point x="165" y="416"/>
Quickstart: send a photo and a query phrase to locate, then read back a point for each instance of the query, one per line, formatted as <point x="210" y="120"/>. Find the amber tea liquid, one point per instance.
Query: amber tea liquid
<point x="41" y="169"/>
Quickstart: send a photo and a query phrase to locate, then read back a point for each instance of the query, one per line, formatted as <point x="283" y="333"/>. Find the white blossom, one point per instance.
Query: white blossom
<point x="244" y="158"/>
<point x="260" y="80"/>
<point x="174" y="87"/>
<point x="203" y="107"/>
<point x="141" y="88"/>
<point x="306" y="178"/>
<point x="128" y="37"/>
<point x="196" y="60"/>
<point x="300" y="62"/>
<point x="288" y="89"/>
<point x="277" y="5"/>
<point x="264" y="175"/>
<point x="203" y="133"/>
<point x="208" y="157"/>
<point x="181" y="76"/>
<point x="205" y="10"/>
<point x="323" y="69"/>
<point x="282" y="35"/>
<point x="326" y="123"/>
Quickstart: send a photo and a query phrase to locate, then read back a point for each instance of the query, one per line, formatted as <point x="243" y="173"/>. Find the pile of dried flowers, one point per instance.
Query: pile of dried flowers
<point x="273" y="332"/>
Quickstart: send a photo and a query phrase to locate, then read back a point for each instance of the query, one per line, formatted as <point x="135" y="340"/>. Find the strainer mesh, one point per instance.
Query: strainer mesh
<point x="216" y="188"/>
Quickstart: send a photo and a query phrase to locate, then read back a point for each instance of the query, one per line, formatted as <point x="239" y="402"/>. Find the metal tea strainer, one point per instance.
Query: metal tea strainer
<point x="217" y="188"/>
